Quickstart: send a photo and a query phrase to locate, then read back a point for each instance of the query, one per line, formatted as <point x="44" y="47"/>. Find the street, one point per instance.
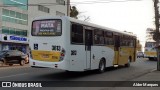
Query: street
<point x="26" y="73"/>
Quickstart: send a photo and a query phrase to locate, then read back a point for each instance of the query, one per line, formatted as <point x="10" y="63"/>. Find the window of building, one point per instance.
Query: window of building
<point x="24" y="33"/>
<point x="60" y="2"/>
<point x="12" y="13"/>
<point x="13" y="31"/>
<point x="21" y="4"/>
<point x="25" y="16"/>
<point x="5" y="30"/>
<point x="5" y="12"/>
<point x="18" y="32"/>
<point x="18" y="15"/>
<point x="77" y="34"/>
<point x="14" y="17"/>
<point x="43" y="9"/>
<point x="59" y="13"/>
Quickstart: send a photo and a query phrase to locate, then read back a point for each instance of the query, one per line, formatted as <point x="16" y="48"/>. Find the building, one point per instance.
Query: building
<point x="14" y="25"/>
<point x="16" y="17"/>
<point x="149" y="35"/>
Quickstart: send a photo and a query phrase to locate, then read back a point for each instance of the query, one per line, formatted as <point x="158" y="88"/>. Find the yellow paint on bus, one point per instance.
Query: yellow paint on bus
<point x="150" y="53"/>
<point x="48" y="56"/>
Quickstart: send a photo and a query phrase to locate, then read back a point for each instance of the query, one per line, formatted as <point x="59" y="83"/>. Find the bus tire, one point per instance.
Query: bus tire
<point x="1" y="63"/>
<point x="102" y="66"/>
<point x="128" y="64"/>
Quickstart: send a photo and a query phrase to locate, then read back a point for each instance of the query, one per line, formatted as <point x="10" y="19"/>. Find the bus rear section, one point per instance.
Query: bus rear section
<point x="47" y="44"/>
<point x="150" y="51"/>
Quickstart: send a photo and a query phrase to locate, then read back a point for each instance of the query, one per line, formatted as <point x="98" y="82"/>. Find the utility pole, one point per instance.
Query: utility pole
<point x="156" y="8"/>
<point x="156" y="14"/>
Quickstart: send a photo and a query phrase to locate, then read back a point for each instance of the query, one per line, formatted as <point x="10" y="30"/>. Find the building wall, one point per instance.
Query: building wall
<point x="16" y="25"/>
<point x="51" y="4"/>
<point x="12" y="21"/>
<point x="149" y="36"/>
<point x="56" y="7"/>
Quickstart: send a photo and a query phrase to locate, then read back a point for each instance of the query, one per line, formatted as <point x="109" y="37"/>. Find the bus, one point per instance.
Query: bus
<point x="150" y="50"/>
<point x="69" y="44"/>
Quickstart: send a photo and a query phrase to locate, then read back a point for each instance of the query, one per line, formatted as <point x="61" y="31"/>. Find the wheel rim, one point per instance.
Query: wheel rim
<point x="102" y="66"/>
<point x="129" y="61"/>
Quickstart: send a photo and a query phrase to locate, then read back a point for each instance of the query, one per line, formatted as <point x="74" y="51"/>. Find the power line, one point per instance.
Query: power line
<point x="76" y="3"/>
<point x="102" y="1"/>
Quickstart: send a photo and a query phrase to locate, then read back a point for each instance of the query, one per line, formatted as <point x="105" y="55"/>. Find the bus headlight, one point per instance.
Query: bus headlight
<point x="62" y="54"/>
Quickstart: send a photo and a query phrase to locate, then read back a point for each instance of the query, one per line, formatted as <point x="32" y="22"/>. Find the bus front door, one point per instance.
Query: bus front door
<point x="88" y="44"/>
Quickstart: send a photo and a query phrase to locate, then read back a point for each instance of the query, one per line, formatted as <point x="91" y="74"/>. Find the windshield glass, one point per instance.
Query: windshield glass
<point x="150" y="44"/>
<point x="2" y="52"/>
<point x="47" y="28"/>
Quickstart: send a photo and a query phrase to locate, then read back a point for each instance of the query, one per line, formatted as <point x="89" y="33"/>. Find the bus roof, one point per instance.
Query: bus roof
<point x="84" y="23"/>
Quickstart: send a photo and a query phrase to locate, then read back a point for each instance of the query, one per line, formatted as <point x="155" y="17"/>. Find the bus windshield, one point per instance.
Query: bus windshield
<point x="150" y="44"/>
<point x="47" y="28"/>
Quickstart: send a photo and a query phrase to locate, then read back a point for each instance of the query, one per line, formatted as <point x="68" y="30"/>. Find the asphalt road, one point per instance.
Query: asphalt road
<point x="26" y="73"/>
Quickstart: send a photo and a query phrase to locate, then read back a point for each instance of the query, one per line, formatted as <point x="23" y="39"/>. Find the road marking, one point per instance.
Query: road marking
<point x="14" y="75"/>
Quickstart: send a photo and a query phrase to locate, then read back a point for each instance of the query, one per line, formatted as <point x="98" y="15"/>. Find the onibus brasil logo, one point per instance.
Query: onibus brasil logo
<point x="20" y="84"/>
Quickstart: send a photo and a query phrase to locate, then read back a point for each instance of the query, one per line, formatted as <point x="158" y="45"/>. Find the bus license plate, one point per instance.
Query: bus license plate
<point x="45" y="56"/>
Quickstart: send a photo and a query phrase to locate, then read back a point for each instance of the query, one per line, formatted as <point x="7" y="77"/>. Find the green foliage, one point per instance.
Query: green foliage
<point x="74" y="12"/>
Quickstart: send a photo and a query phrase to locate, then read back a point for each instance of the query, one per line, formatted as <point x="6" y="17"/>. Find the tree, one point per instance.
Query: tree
<point x="74" y="12"/>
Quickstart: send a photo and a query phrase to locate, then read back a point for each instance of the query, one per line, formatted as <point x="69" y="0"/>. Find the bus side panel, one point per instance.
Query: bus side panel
<point x="99" y="52"/>
<point x="125" y="54"/>
<point x="114" y="59"/>
<point x="77" y="58"/>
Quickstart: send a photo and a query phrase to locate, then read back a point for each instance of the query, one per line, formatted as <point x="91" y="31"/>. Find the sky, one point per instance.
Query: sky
<point x="131" y="16"/>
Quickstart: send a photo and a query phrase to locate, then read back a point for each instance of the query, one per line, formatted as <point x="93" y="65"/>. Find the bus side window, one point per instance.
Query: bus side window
<point x="77" y="34"/>
<point x="98" y="37"/>
<point x="108" y="36"/>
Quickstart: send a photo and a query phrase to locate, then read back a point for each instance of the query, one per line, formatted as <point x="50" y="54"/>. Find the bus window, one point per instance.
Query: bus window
<point x="77" y="34"/>
<point x="98" y="37"/>
<point x="127" y="41"/>
<point x="109" y="40"/>
<point x="117" y="41"/>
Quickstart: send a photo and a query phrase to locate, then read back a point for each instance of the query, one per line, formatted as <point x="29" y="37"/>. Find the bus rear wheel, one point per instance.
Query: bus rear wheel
<point x="128" y="64"/>
<point x="102" y="65"/>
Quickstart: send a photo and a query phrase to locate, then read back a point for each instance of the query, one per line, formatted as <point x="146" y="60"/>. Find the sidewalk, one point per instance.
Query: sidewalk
<point x="152" y="76"/>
